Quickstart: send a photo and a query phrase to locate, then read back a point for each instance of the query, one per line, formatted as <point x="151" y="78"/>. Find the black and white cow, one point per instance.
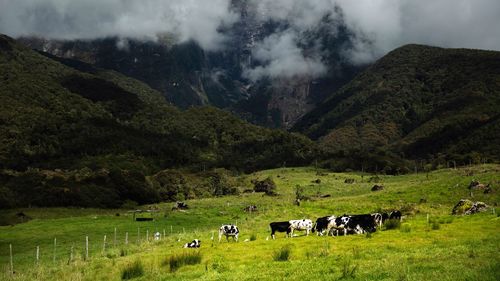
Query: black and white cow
<point x="281" y="226"/>
<point x="323" y="224"/>
<point x="377" y="218"/>
<point x="193" y="244"/>
<point x="395" y="215"/>
<point x="229" y="230"/>
<point x="355" y="224"/>
<point x="304" y="224"/>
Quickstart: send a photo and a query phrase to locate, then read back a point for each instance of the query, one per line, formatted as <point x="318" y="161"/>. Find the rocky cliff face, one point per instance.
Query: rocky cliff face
<point x="187" y="75"/>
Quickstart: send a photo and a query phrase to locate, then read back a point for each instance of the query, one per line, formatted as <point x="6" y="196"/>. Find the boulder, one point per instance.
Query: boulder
<point x="467" y="207"/>
<point x="377" y="187"/>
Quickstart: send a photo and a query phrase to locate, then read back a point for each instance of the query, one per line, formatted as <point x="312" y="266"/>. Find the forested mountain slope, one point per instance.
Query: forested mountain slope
<point x="416" y="102"/>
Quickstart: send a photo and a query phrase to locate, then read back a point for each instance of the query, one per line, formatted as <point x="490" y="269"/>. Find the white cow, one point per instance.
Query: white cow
<point x="304" y="224"/>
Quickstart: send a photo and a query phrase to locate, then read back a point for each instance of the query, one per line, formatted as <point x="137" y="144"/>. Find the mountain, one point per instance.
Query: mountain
<point x="417" y="102"/>
<point x="67" y="127"/>
<point x="188" y="76"/>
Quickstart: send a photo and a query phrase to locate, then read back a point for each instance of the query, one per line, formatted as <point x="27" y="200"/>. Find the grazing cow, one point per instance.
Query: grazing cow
<point x="193" y="244"/>
<point x="355" y="224"/>
<point x="323" y="224"/>
<point x="281" y="226"/>
<point x="229" y="230"/>
<point x="362" y="223"/>
<point x="303" y="224"/>
<point x="395" y="215"/>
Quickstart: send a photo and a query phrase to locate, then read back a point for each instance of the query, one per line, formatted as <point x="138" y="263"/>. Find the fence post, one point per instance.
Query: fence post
<point x="138" y="235"/>
<point x="164" y="233"/>
<point x="11" y="261"/>
<point x="147" y="235"/>
<point x="37" y="254"/>
<point x="55" y="247"/>
<point x="86" y="248"/>
<point x="126" y="238"/>
<point x="171" y="230"/>
<point x="104" y="245"/>
<point x="114" y="240"/>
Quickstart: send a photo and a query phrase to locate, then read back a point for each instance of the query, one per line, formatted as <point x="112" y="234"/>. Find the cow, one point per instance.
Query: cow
<point x="377" y="218"/>
<point x="304" y="224"/>
<point x="281" y="226"/>
<point x="362" y="223"/>
<point x="157" y="236"/>
<point x="323" y="224"/>
<point x="193" y="244"/>
<point x="395" y="215"/>
<point x="229" y="230"/>
<point x="355" y="224"/>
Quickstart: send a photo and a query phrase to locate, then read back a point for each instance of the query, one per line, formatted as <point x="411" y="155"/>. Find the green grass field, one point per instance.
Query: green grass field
<point x="446" y="248"/>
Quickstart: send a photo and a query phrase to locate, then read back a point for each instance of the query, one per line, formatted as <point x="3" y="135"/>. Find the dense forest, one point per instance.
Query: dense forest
<point x="419" y="103"/>
<point x="73" y="134"/>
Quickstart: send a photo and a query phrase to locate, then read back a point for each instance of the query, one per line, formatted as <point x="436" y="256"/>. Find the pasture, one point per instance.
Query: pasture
<point x="430" y="244"/>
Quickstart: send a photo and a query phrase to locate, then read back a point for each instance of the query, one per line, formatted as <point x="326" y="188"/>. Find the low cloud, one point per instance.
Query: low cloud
<point x="69" y="19"/>
<point x="280" y="57"/>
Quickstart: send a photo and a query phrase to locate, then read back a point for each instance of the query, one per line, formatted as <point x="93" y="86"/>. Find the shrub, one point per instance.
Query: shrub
<point x="435" y="225"/>
<point x="392" y="224"/>
<point x="405" y="228"/>
<point x="348" y="270"/>
<point x="134" y="270"/>
<point x="177" y="261"/>
<point x="282" y="254"/>
<point x="268" y="186"/>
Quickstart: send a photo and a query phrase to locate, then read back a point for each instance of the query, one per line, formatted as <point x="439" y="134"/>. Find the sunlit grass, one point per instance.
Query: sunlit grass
<point x="461" y="248"/>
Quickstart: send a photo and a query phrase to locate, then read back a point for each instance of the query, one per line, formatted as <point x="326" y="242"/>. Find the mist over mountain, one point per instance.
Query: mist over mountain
<point x="268" y="61"/>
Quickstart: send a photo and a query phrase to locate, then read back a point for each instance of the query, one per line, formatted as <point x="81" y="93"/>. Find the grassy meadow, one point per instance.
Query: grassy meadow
<point x="430" y="244"/>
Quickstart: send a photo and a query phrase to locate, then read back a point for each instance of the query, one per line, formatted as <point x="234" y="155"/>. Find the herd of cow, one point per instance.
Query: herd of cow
<point x="329" y="225"/>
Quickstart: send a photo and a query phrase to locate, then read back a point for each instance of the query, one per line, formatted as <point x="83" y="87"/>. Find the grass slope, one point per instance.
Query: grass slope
<point x="459" y="248"/>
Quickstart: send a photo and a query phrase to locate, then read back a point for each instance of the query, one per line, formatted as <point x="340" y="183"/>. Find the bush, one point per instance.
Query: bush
<point x="268" y="186"/>
<point x="253" y="237"/>
<point x="177" y="261"/>
<point x="282" y="254"/>
<point x="435" y="225"/>
<point x="392" y="224"/>
<point x="133" y="270"/>
<point x="405" y="228"/>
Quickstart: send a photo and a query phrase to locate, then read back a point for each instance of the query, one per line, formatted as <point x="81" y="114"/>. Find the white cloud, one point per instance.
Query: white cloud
<point x="89" y="19"/>
<point x="280" y="57"/>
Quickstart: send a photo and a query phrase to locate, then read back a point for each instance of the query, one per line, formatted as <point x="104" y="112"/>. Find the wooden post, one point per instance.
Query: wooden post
<point x="147" y="235"/>
<point x="11" y="260"/>
<point x="138" y="235"/>
<point x="171" y="230"/>
<point x="104" y="245"/>
<point x="86" y="248"/>
<point x="126" y="238"/>
<point x="55" y="247"/>
<point x="114" y="240"/>
<point x="37" y="254"/>
<point x="164" y="233"/>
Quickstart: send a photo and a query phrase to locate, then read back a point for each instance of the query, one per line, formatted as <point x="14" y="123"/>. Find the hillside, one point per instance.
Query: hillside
<point x="430" y="244"/>
<point x="68" y="128"/>
<point x="417" y="102"/>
